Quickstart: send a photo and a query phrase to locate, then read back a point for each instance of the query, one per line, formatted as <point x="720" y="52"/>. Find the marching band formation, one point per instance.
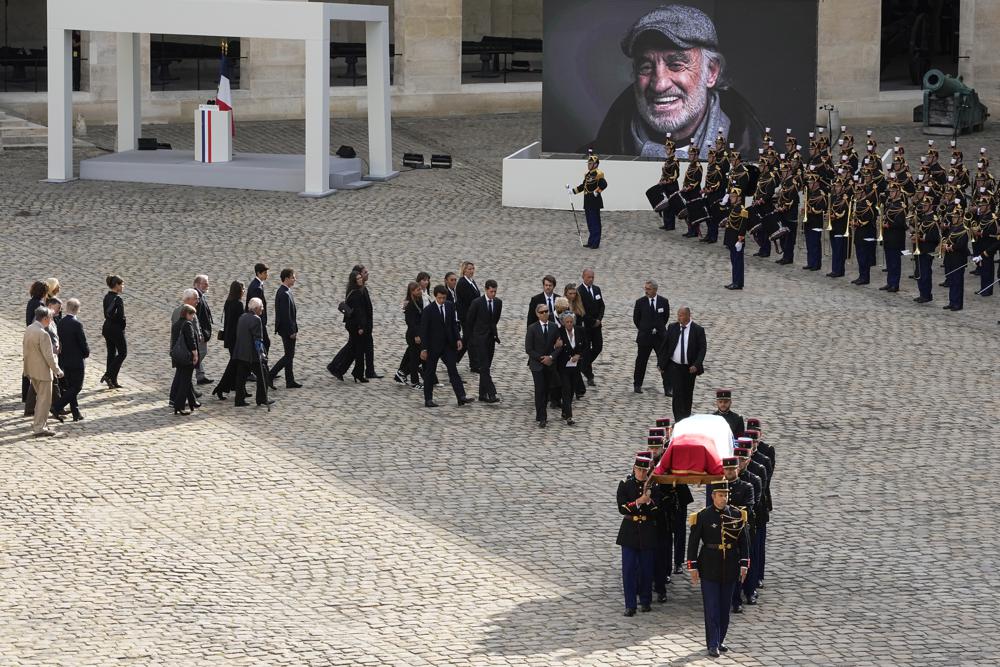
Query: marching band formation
<point x="725" y="551"/>
<point x="939" y="212"/>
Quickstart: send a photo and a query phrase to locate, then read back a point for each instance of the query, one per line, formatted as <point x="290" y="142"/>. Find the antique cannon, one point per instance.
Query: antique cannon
<point x="950" y="107"/>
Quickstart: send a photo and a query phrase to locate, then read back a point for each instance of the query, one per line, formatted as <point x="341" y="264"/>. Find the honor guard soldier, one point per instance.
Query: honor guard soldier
<point x="787" y="208"/>
<point x="663" y="497"/>
<point x="755" y="474"/>
<point x="863" y="226"/>
<point x="637" y="535"/>
<point x="759" y="545"/>
<point x="724" y="404"/>
<point x="926" y="240"/>
<point x="719" y="560"/>
<point x="986" y="241"/>
<point x="840" y="208"/>
<point x="955" y="246"/>
<point x="734" y="237"/>
<point x="742" y="498"/>
<point x="691" y="193"/>
<point x="893" y="235"/>
<point x="592" y="187"/>
<point x="762" y="207"/>
<point x="934" y="169"/>
<point x="817" y="206"/>
<point x="754" y="424"/>
<point x="669" y="174"/>
<point x="714" y="192"/>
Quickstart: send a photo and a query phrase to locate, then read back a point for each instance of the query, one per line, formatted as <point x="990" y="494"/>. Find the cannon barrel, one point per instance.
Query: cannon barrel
<point x="943" y="85"/>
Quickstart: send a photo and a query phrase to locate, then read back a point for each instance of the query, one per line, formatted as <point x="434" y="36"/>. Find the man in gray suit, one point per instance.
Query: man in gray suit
<point x="247" y="351"/>
<point x="541" y="343"/>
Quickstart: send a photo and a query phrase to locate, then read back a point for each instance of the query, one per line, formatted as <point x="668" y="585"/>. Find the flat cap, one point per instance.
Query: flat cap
<point x="684" y="26"/>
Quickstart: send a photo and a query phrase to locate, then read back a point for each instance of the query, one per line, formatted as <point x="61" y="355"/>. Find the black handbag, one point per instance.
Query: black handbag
<point x="179" y="354"/>
<point x="344" y="308"/>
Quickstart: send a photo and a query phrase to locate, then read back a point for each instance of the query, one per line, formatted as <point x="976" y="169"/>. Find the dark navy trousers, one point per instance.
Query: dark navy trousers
<point x="814" y="249"/>
<point x="894" y="263"/>
<point x="593" y="226"/>
<point x="637" y="576"/>
<point x="925" y="263"/>
<point x="736" y="260"/>
<point x="838" y="252"/>
<point x="987" y="274"/>
<point x="716" y="597"/>
<point x="956" y="288"/>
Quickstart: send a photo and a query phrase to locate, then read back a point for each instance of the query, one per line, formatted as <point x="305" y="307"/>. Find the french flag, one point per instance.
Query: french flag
<point x="224" y="98"/>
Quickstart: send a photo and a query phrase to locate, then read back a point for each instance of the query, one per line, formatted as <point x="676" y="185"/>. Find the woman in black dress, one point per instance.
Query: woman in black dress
<point x="36" y="295"/>
<point x="182" y="390"/>
<point x="114" y="331"/>
<point x="231" y="312"/>
<point x="570" y="360"/>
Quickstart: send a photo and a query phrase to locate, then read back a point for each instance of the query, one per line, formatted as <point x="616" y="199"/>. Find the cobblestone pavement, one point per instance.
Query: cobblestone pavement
<point x="351" y="526"/>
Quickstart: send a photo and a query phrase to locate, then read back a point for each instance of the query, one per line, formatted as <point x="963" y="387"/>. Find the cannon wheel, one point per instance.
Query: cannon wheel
<point x="919" y="48"/>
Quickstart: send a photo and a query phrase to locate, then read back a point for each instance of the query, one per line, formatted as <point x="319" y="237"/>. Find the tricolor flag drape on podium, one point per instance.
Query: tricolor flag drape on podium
<point x="224" y="98"/>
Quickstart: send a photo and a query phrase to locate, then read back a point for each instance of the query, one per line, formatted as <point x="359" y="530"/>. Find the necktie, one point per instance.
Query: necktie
<point x="683" y="347"/>
<point x="442" y="313"/>
<point x="490" y="304"/>
<point x="551" y="307"/>
<point x="652" y="304"/>
<point x="545" y="330"/>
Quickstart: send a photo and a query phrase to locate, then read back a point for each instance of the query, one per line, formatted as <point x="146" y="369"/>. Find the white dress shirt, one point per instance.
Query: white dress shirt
<point x="682" y="340"/>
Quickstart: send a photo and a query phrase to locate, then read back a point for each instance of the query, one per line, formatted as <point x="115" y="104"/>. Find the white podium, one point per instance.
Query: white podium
<point x="213" y="138"/>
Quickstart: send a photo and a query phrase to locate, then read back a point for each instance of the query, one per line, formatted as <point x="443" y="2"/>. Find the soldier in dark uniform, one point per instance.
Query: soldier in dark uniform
<point x="718" y="558"/>
<point x="592" y="187"/>
<point x="863" y="223"/>
<point x="734" y="237"/>
<point x="724" y="404"/>
<point x="985" y="244"/>
<point x="765" y="469"/>
<point x="741" y="496"/>
<point x="663" y="497"/>
<point x="762" y="208"/>
<point x="840" y="205"/>
<point x="894" y="236"/>
<point x="755" y="474"/>
<point x="637" y="536"/>
<point x="714" y="192"/>
<point x="934" y="169"/>
<point x="754" y="424"/>
<point x="817" y="205"/>
<point x="691" y="193"/>
<point x="926" y="238"/>
<point x="670" y="172"/>
<point x="955" y="244"/>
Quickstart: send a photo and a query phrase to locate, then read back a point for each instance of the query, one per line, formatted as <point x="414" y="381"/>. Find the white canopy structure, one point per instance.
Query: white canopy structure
<point x="306" y="21"/>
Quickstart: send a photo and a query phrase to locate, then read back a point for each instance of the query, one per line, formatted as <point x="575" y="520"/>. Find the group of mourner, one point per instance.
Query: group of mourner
<point x="945" y="212"/>
<point x="725" y="550"/>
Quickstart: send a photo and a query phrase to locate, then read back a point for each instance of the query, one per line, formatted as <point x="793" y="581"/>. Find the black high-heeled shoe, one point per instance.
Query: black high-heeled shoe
<point x="183" y="413"/>
<point x="104" y="378"/>
<point x="218" y="394"/>
<point x="360" y="379"/>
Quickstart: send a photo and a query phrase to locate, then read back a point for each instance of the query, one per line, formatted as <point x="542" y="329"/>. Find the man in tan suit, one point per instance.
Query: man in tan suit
<point x="40" y="366"/>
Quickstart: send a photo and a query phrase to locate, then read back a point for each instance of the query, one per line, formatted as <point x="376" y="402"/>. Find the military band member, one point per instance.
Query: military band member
<point x="787" y="207"/>
<point x="840" y="208"/>
<point x="637" y="536"/>
<point x="718" y="559"/>
<point x="669" y="174"/>
<point x="817" y="206"/>
<point x="934" y="169"/>
<point x="986" y="240"/>
<point x="762" y="208"/>
<point x="592" y="187"/>
<point x="894" y="225"/>
<point x="734" y="236"/>
<point x="926" y="239"/>
<point x="863" y="225"/>
<point x="714" y="192"/>
<point x="955" y="246"/>
<point x="691" y="193"/>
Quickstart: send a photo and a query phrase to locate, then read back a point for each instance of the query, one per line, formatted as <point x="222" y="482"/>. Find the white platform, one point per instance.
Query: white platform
<point x="531" y="181"/>
<point x="247" y="171"/>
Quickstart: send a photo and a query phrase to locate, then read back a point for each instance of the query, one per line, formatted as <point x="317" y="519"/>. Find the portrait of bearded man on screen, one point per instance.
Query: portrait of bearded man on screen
<point x="678" y="87"/>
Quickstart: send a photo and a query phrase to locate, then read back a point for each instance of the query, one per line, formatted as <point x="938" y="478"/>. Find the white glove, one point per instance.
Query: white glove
<point x="567" y="186"/>
<point x="977" y="259"/>
<point x="725" y="200"/>
<point x="739" y="246"/>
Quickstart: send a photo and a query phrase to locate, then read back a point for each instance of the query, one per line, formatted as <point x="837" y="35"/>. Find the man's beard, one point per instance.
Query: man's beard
<point x="691" y="109"/>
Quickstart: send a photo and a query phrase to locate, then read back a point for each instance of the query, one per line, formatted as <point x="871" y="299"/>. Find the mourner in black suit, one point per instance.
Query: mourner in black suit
<point x="412" y="312"/>
<point x="682" y="359"/>
<point x="113" y="330"/>
<point x="247" y="352"/>
<point x="204" y="322"/>
<point x="572" y="357"/>
<point x="255" y="290"/>
<point x="593" y="319"/>
<point x="358" y="323"/>
<point x="232" y="310"/>
<point x="650" y="315"/>
<point x="481" y="331"/>
<point x="542" y="343"/>
<point x="548" y="297"/>
<point x="73" y="349"/>
<point x="440" y="339"/>
<point x="181" y="390"/>
<point x="286" y="325"/>
<point x="467" y="291"/>
<point x="367" y="338"/>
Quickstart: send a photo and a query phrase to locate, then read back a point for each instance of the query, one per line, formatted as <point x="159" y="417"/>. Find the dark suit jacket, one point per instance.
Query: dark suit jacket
<point x="249" y="329"/>
<point x="437" y="335"/>
<point x="184" y="327"/>
<point x="231" y="313"/>
<point x="478" y="323"/>
<point x="647" y="319"/>
<point x="256" y="289"/>
<point x="537" y="345"/>
<point x="204" y="315"/>
<point x="537" y="299"/>
<point x="466" y="295"/>
<point x="285" y="323"/>
<point x="360" y="318"/>
<point x="412" y="314"/>
<point x="566" y="352"/>
<point x="593" y="306"/>
<point x="73" y="342"/>
<point x="29" y="313"/>
<point x="697" y="345"/>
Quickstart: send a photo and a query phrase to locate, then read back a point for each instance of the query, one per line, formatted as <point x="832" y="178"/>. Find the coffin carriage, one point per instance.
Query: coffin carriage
<point x="697" y="447"/>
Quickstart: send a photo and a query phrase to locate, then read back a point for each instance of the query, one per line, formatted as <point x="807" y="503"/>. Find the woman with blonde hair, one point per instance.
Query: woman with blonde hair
<point x="575" y="302"/>
<point x="52" y="287"/>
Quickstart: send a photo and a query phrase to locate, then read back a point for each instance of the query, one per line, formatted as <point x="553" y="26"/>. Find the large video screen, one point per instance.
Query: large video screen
<point x="620" y="74"/>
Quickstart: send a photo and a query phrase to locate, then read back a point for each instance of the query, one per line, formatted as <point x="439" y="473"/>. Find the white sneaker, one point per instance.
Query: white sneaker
<point x="418" y="386"/>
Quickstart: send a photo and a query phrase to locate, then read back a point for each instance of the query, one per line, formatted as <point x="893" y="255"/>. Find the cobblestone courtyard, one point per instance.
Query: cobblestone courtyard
<point x="350" y="526"/>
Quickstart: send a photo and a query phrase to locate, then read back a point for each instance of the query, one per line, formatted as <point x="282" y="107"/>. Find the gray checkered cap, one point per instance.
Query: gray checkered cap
<point x="684" y="26"/>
